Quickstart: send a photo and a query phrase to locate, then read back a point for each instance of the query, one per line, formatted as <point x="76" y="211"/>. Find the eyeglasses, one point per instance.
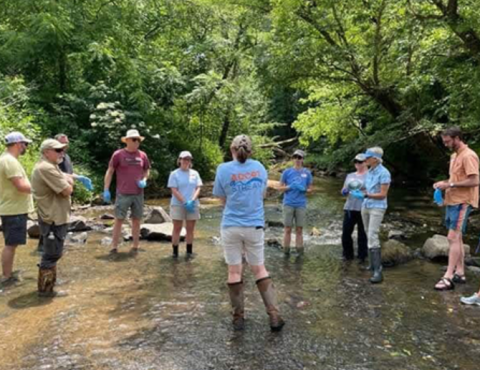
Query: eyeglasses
<point x="58" y="150"/>
<point x="25" y="143"/>
<point x="358" y="162"/>
<point x="135" y="139"/>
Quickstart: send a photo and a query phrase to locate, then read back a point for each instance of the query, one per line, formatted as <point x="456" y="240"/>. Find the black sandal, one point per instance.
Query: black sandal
<point x="459" y="279"/>
<point x="447" y="284"/>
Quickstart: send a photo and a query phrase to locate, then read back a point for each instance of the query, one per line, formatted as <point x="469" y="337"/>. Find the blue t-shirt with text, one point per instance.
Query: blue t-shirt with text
<point x="294" y="197"/>
<point x="186" y="182"/>
<point x="243" y="185"/>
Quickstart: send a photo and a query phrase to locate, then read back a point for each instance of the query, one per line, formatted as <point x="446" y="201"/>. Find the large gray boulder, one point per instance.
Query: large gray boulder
<point x="159" y="232"/>
<point x="156" y="215"/>
<point x="437" y="247"/>
<point x="78" y="223"/>
<point x="395" y="253"/>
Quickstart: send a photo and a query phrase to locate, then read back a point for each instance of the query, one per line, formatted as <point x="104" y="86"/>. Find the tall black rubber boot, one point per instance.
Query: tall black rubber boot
<point x="377" y="276"/>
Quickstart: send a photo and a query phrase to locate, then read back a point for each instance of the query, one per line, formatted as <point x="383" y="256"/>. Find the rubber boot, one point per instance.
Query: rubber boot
<point x="369" y="267"/>
<point x="46" y="282"/>
<point x="377" y="276"/>
<point x="267" y="291"/>
<point x="238" y="308"/>
<point x="300" y="250"/>
<point x="286" y="251"/>
<point x="189" y="250"/>
<point x="175" y="251"/>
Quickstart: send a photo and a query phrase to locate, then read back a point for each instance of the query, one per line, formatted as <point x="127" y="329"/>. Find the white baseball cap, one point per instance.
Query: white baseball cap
<point x="185" y="154"/>
<point x="16" y="137"/>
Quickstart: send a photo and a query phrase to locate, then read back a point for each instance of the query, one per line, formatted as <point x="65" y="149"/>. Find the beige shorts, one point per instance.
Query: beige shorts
<point x="180" y="213"/>
<point x="297" y="214"/>
<point x="239" y="241"/>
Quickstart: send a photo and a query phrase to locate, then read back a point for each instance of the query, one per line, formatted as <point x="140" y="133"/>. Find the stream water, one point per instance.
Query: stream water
<point x="152" y="312"/>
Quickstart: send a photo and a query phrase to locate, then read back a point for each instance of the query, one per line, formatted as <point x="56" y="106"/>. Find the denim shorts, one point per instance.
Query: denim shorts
<point x="456" y="217"/>
<point x="15" y="229"/>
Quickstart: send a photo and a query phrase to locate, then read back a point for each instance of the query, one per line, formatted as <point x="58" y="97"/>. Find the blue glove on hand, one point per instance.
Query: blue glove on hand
<point x="107" y="197"/>
<point x="86" y="182"/>
<point x="142" y="183"/>
<point x="190" y="206"/>
<point x="358" y="194"/>
<point x="438" y="197"/>
<point x="300" y="188"/>
<point x="345" y="192"/>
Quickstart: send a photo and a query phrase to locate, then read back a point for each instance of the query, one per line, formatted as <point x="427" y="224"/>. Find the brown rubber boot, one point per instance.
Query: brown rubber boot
<point x="237" y="299"/>
<point x="267" y="291"/>
<point x="46" y="282"/>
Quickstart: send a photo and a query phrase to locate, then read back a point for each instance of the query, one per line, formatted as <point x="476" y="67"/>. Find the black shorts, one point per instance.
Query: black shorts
<point x="15" y="229"/>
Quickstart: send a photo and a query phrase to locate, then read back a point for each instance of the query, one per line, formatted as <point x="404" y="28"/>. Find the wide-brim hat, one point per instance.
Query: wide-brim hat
<point x="132" y="134"/>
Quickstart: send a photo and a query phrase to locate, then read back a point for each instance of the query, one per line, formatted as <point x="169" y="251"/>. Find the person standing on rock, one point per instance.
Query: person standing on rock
<point x="185" y="184"/>
<point x="51" y="189"/>
<point x="296" y="182"/>
<point x="374" y="206"/>
<point x="241" y="186"/>
<point x="461" y="195"/>
<point x="132" y="167"/>
<point x="15" y="202"/>
<point x="352" y="211"/>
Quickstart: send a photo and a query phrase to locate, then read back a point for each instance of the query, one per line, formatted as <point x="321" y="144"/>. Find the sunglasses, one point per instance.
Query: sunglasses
<point x="297" y="157"/>
<point x="358" y="162"/>
<point x="58" y="150"/>
<point x="135" y="139"/>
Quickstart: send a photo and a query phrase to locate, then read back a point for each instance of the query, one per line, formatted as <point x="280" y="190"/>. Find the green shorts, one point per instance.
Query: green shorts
<point x="299" y="214"/>
<point x="125" y="202"/>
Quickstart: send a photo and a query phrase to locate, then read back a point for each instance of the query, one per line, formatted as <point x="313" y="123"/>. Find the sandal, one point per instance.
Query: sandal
<point x="446" y="284"/>
<point x="459" y="279"/>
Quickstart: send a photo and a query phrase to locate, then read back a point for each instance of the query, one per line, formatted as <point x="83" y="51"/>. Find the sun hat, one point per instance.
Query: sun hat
<point x="131" y="134"/>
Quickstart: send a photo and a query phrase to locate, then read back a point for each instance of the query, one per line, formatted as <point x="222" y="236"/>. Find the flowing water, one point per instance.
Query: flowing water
<point x="152" y="312"/>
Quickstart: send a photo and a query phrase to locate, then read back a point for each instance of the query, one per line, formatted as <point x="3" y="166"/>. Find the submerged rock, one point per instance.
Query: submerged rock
<point x="396" y="234"/>
<point x="395" y="253"/>
<point x="78" y="223"/>
<point x="271" y="223"/>
<point x="437" y="247"/>
<point x="273" y="242"/>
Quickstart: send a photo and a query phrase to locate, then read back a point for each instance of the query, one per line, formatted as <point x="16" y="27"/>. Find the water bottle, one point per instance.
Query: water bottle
<point x="51" y="236"/>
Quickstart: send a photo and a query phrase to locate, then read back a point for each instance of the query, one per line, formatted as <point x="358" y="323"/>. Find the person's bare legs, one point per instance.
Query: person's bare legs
<point x="177" y="229"/>
<point x="460" y="266"/>
<point x="234" y="273"/>
<point x="136" y="232"/>
<point x="259" y="271"/>
<point x="117" y="232"/>
<point x="299" y="239"/>
<point x="455" y="255"/>
<point x="8" y="256"/>
<point x="287" y="238"/>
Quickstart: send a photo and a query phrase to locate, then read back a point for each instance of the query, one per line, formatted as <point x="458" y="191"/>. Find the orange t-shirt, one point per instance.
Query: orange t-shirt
<point x="462" y="164"/>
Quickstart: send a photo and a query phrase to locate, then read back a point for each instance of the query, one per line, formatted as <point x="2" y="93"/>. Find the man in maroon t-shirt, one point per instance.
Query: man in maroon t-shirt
<point x="132" y="168"/>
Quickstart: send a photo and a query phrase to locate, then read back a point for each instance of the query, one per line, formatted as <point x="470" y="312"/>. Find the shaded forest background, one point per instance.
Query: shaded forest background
<point x="332" y="76"/>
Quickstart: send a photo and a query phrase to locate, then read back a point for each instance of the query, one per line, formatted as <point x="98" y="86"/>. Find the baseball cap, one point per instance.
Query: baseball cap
<point x="185" y="154"/>
<point x="242" y="141"/>
<point x="16" y="137"/>
<point x="51" y="144"/>
<point x="299" y="152"/>
<point x="360" y="157"/>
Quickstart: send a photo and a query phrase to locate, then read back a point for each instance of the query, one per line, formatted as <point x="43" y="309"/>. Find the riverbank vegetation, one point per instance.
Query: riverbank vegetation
<point x="334" y="76"/>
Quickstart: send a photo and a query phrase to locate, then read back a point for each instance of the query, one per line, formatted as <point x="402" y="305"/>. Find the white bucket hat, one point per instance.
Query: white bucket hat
<point x="131" y="134"/>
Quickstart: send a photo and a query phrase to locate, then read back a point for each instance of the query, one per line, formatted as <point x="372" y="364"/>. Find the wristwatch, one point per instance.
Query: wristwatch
<point x="452" y="185"/>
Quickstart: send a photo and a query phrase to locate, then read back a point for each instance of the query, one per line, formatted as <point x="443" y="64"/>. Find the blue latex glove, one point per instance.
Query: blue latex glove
<point x="142" y="183"/>
<point x="438" y="197"/>
<point x="358" y="194"/>
<point x="107" y="197"/>
<point x="190" y="206"/>
<point x="300" y="188"/>
<point x="345" y="192"/>
<point x="86" y="182"/>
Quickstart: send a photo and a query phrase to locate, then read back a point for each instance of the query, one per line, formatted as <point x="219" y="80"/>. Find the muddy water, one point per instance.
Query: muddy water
<point x="150" y="312"/>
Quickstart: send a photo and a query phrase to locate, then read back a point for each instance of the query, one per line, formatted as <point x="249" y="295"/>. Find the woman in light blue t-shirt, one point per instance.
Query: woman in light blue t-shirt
<point x="185" y="184"/>
<point x="241" y="185"/>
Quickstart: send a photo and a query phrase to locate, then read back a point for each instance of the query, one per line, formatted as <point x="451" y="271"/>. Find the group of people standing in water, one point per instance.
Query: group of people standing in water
<point x="241" y="186"/>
